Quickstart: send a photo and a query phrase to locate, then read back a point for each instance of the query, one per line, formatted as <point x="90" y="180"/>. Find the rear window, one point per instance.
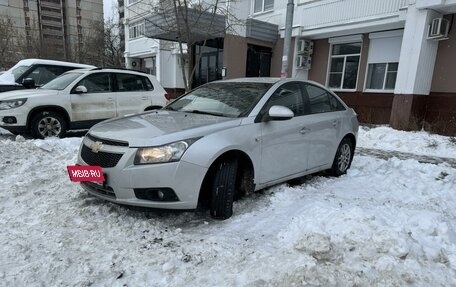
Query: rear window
<point x="130" y="83"/>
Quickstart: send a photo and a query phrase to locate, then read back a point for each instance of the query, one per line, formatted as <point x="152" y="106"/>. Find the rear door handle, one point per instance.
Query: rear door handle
<point x="304" y="131"/>
<point x="335" y="122"/>
<point x="110" y="99"/>
<point x="144" y="98"/>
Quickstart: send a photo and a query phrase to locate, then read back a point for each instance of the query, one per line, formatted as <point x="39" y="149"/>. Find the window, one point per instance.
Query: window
<point x="136" y="30"/>
<point x="262" y="5"/>
<point x="43" y="74"/>
<point x="96" y="83"/>
<point x="321" y="101"/>
<point x="129" y="83"/>
<point x="382" y="76"/>
<point x="383" y="60"/>
<point x="133" y="1"/>
<point x="290" y="96"/>
<point x="344" y="64"/>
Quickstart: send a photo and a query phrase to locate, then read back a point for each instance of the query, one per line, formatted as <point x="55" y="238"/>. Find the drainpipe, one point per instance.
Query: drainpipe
<point x="287" y="40"/>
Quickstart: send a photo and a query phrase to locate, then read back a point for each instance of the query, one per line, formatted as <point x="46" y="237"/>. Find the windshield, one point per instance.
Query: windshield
<point x="222" y="99"/>
<point x="18" y="71"/>
<point x="61" y="82"/>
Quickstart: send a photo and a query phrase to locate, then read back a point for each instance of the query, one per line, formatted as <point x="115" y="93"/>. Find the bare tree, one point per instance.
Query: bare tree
<point x="7" y="43"/>
<point x="189" y="23"/>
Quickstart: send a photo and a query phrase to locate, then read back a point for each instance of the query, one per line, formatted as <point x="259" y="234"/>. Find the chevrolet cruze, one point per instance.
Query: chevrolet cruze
<point x="219" y="142"/>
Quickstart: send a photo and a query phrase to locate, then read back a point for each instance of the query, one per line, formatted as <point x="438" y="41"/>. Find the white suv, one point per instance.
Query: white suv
<point x="78" y="99"/>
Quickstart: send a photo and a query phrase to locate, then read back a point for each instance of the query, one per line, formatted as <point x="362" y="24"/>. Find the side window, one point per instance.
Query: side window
<point x="148" y="84"/>
<point x="290" y="96"/>
<point x="336" y="105"/>
<point x="96" y="83"/>
<point x="43" y="74"/>
<point x="130" y="83"/>
<point x="318" y="99"/>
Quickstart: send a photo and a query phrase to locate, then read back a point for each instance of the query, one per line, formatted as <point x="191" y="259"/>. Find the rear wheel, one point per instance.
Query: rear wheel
<point x="48" y="124"/>
<point x="343" y="158"/>
<point x="223" y="189"/>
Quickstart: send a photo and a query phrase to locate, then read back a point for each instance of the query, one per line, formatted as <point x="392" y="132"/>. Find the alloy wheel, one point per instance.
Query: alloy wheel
<point x="344" y="159"/>
<point x="49" y="127"/>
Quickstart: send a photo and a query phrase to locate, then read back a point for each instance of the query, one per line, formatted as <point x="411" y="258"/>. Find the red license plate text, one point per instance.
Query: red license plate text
<point x="85" y="173"/>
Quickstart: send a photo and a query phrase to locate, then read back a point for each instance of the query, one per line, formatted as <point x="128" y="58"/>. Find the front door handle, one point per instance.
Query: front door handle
<point x="110" y="99"/>
<point x="304" y="131"/>
<point x="335" y="122"/>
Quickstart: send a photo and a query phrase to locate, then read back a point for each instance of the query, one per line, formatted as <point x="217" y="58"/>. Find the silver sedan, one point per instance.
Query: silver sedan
<point x="219" y="142"/>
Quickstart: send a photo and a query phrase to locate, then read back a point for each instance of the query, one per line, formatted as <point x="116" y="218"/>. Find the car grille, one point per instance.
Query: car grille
<point x="103" y="159"/>
<point x="106" y="142"/>
<point x="106" y="191"/>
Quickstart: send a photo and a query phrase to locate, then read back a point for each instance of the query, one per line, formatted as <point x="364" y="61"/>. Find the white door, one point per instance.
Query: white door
<point x="134" y="94"/>
<point x="98" y="103"/>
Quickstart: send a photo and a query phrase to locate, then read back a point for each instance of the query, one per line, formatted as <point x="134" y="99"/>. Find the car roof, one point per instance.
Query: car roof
<point x="251" y="80"/>
<point x="28" y="62"/>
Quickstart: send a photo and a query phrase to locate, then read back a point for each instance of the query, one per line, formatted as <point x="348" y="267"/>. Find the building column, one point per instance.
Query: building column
<point x="416" y="67"/>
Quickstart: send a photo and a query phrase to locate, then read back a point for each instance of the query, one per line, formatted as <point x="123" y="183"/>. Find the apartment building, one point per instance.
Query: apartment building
<point x="393" y="61"/>
<point x="59" y="24"/>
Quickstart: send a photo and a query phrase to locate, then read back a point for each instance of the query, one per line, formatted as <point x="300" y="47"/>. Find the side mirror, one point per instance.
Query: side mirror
<point x="280" y="113"/>
<point x="80" y="90"/>
<point x="28" y="83"/>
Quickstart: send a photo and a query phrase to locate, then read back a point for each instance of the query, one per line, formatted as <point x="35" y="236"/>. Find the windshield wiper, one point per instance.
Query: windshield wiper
<point x="205" y="113"/>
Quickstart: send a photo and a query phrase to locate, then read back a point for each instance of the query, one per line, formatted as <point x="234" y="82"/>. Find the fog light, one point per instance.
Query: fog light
<point x="10" y="120"/>
<point x="156" y="194"/>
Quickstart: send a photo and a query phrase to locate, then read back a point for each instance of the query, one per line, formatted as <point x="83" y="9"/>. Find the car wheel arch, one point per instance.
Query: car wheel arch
<point x="245" y="182"/>
<point x="57" y="109"/>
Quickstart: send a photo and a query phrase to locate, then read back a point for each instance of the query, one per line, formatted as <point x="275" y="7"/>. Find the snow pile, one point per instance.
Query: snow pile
<point x="421" y="143"/>
<point x="385" y="223"/>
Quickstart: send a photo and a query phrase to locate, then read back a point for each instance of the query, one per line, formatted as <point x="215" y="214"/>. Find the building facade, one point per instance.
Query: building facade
<point x="59" y="25"/>
<point x="393" y="61"/>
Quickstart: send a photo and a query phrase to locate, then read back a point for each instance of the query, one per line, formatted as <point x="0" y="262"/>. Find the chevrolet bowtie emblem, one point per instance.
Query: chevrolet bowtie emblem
<point x="96" y="146"/>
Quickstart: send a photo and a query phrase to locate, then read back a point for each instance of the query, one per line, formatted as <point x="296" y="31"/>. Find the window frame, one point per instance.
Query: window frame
<point x="262" y="7"/>
<point x="136" y="28"/>
<point x="383" y="90"/>
<point x="111" y="83"/>
<point x="138" y="78"/>
<point x="331" y="56"/>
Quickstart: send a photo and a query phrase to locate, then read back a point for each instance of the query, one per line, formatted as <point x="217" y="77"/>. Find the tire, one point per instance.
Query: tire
<point x="48" y="124"/>
<point x="223" y="189"/>
<point x="343" y="158"/>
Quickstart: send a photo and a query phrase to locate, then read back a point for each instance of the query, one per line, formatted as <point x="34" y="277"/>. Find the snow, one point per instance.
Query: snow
<point x="386" y="223"/>
<point x="420" y="142"/>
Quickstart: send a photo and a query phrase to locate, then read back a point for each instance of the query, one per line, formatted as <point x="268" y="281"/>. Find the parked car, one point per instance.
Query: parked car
<point x="219" y="142"/>
<point x="78" y="99"/>
<point x="32" y="73"/>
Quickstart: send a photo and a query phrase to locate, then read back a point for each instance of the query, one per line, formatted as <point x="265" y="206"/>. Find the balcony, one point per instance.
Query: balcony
<point x="314" y="14"/>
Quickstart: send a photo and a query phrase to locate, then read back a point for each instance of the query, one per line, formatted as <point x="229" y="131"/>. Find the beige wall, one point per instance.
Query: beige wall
<point x="319" y="61"/>
<point x="443" y="80"/>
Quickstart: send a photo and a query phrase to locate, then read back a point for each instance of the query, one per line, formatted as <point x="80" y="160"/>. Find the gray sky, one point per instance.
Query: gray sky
<point x="108" y="8"/>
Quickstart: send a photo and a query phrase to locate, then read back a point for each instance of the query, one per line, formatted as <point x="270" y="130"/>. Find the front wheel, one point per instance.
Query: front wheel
<point x="48" y="124"/>
<point x="343" y="158"/>
<point x="223" y="189"/>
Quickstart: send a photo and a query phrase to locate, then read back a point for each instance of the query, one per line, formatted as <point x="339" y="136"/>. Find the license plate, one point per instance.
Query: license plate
<point x="86" y="173"/>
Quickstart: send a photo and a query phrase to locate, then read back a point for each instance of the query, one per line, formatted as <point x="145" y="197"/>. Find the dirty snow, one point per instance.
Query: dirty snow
<point x="386" y="223"/>
<point x="419" y="142"/>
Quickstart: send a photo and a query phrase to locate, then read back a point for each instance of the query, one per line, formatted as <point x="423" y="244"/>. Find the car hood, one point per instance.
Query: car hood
<point x="28" y="93"/>
<point x="161" y="127"/>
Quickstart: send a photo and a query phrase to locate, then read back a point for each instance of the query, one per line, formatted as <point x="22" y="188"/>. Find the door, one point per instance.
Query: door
<point x="98" y="103"/>
<point x="208" y="67"/>
<point x="258" y="61"/>
<point x="322" y="126"/>
<point x="133" y="95"/>
<point x="283" y="143"/>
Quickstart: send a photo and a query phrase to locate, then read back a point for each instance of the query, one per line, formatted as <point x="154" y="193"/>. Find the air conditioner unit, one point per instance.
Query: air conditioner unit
<point x="303" y="62"/>
<point x="438" y="30"/>
<point x="305" y="47"/>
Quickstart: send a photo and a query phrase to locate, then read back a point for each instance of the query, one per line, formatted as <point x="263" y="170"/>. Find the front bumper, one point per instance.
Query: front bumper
<point x="21" y="120"/>
<point x="183" y="178"/>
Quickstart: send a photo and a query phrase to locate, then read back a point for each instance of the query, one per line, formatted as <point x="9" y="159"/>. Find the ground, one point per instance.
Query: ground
<point x="391" y="221"/>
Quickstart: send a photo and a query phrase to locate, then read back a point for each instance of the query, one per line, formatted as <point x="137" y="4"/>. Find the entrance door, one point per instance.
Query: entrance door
<point x="208" y="68"/>
<point x="258" y="61"/>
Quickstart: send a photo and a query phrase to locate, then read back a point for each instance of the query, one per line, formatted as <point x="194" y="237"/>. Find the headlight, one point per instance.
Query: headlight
<point x="10" y="104"/>
<point x="166" y="153"/>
